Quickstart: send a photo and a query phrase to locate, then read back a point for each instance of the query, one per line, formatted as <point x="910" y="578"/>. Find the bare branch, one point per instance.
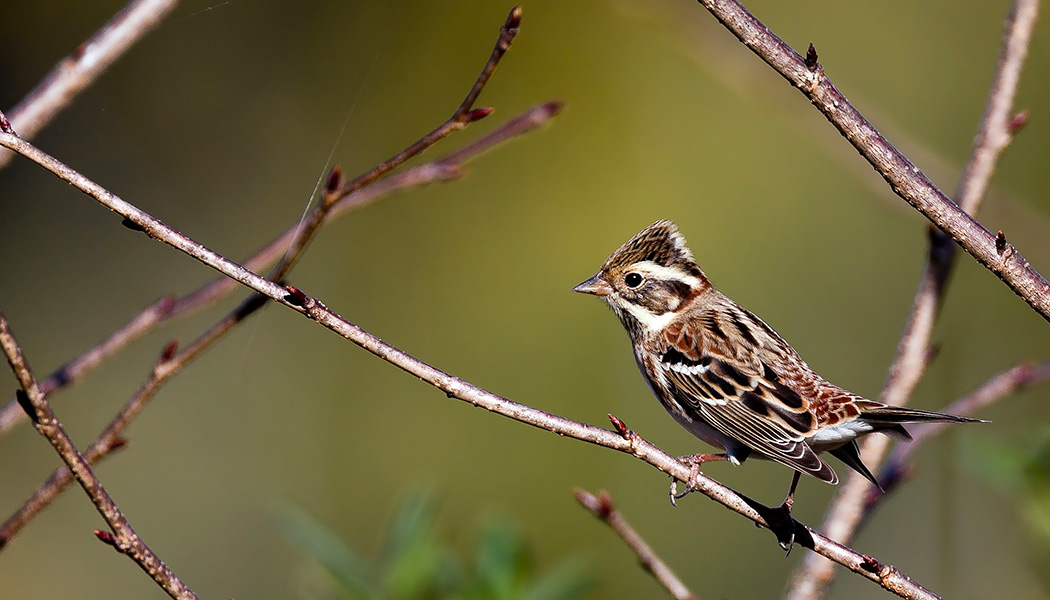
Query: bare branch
<point x="994" y="134"/>
<point x="464" y="115"/>
<point x="111" y="439"/>
<point x="123" y="538"/>
<point x="80" y="69"/>
<point x="166" y="309"/>
<point x="906" y="180"/>
<point x="602" y="508"/>
<point x="342" y="198"/>
<point x="998" y="387"/>
<point x="886" y="575"/>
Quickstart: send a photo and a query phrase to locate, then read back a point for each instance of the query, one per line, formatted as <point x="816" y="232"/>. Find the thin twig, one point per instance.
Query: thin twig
<point x="111" y="439"/>
<point x="1001" y="385"/>
<point x="906" y="180"/>
<point x="167" y="309"/>
<point x="464" y="115"/>
<point x="602" y="508"/>
<point x="886" y="575"/>
<point x="813" y="577"/>
<point x="80" y="69"/>
<point x="347" y="198"/>
<point x="123" y="538"/>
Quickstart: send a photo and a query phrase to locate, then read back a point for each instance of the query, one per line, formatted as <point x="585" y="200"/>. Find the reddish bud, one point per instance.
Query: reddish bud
<point x="118" y="443"/>
<point x="811" y="58"/>
<point x="1018" y="122"/>
<point x="514" y="18"/>
<point x="620" y="426"/>
<point x="295" y="296"/>
<point x="1000" y="243"/>
<point x="553" y="107"/>
<point x="166" y="305"/>
<point x="477" y="114"/>
<point x="870" y="565"/>
<point x="5" y="125"/>
<point x="169" y="350"/>
<point x="335" y="180"/>
<point x="106" y="537"/>
<point x="605" y="504"/>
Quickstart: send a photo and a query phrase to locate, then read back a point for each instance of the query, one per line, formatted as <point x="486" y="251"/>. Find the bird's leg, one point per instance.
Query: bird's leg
<point x="694" y="461"/>
<point x="779" y="519"/>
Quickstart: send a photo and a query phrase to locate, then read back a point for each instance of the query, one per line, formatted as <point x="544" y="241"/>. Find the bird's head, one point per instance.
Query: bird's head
<point x="648" y="278"/>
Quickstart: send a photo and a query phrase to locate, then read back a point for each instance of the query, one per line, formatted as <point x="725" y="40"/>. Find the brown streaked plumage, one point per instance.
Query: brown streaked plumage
<point x="725" y="375"/>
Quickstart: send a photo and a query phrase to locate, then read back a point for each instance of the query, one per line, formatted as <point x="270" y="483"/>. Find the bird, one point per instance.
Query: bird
<point x="727" y="377"/>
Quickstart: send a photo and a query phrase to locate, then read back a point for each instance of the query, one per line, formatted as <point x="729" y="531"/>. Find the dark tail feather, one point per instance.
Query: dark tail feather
<point x="898" y="414"/>
<point x="850" y="455"/>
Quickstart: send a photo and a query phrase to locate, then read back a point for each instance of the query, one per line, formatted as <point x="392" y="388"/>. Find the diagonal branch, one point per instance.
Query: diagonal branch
<point x="998" y="387"/>
<point x="995" y="133"/>
<point x="111" y="439"/>
<point x="602" y="508"/>
<point x="885" y="575"/>
<point x="166" y="309"/>
<point x="464" y="115"/>
<point x="80" y="69"/>
<point x="906" y="180"/>
<point x="123" y="538"/>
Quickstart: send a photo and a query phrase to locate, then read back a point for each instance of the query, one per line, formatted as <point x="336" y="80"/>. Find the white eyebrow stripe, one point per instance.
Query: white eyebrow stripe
<point x="655" y="271"/>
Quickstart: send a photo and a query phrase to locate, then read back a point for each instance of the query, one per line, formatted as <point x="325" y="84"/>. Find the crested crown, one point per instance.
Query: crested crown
<point x="660" y="243"/>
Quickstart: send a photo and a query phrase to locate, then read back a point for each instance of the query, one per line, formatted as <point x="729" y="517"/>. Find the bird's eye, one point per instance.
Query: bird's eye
<point x="633" y="280"/>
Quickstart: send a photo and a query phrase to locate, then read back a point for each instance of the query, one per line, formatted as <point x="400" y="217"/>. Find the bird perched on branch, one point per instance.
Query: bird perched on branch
<point x="727" y="377"/>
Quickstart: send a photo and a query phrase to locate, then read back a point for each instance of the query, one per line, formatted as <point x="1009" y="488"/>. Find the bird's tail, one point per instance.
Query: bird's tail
<point x="890" y="419"/>
<point x="899" y="414"/>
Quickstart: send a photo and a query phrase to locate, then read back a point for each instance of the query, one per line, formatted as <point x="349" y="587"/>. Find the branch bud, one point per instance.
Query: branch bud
<point x="106" y="537"/>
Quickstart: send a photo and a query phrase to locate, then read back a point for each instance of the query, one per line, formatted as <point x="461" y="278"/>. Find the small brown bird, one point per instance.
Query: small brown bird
<point x="726" y="376"/>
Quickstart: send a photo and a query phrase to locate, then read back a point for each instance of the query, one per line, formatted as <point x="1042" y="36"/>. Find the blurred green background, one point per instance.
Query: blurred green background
<point x="220" y="123"/>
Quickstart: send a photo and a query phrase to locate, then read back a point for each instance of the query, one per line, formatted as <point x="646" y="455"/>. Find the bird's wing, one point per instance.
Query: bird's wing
<point x="741" y="397"/>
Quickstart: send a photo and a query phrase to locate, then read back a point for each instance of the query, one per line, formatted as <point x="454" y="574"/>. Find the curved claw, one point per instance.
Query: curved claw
<point x="690" y="485"/>
<point x="675" y="495"/>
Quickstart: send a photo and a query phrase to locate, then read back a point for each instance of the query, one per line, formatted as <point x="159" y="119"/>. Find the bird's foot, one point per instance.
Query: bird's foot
<point x="782" y="525"/>
<point x="694" y="461"/>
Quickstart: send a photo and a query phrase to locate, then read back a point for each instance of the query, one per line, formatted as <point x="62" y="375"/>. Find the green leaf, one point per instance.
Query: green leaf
<point x="501" y="559"/>
<point x="412" y="554"/>
<point x="413" y="521"/>
<point x="355" y="574"/>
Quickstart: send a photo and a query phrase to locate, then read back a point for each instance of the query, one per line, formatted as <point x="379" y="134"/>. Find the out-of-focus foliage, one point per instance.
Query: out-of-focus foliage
<point x="417" y="563"/>
<point x="1022" y="470"/>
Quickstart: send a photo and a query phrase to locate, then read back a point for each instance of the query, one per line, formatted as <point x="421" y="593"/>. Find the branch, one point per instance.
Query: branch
<point x="123" y="538"/>
<point x="166" y="309"/>
<point x="995" y="132"/>
<point x="464" y="115"/>
<point x="342" y="199"/>
<point x="1004" y="384"/>
<point x="602" y="508"/>
<point x="76" y="72"/>
<point x="111" y="439"/>
<point x="886" y="575"/>
<point x="906" y="180"/>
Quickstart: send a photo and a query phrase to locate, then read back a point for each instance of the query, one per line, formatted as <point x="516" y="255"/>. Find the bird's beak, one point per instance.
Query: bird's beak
<point x="595" y="286"/>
